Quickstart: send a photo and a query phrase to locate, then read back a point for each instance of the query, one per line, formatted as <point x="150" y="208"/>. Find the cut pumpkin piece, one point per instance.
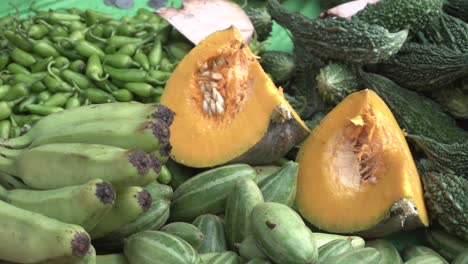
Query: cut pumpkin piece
<point x="357" y="174"/>
<point x="227" y="109"/>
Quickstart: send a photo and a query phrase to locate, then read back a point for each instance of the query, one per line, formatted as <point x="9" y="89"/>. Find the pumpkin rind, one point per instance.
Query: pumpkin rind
<point x="253" y="123"/>
<point x="387" y="194"/>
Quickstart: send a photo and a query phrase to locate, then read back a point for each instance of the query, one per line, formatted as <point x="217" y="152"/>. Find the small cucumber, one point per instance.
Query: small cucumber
<point x="425" y="259"/>
<point x="207" y="192"/>
<point x="214" y="238"/>
<point x="323" y="238"/>
<point x="248" y="249"/>
<point x="388" y="251"/>
<point x="259" y="261"/>
<point x="179" y="172"/>
<point x="155" y="247"/>
<point x="333" y="248"/>
<point x="282" y="235"/>
<point x="227" y="257"/>
<point x="266" y="171"/>
<point x="207" y="257"/>
<point x="462" y="258"/>
<point x="243" y="198"/>
<point x="111" y="259"/>
<point x="416" y="251"/>
<point x="362" y="256"/>
<point x="281" y="186"/>
<point x="159" y="191"/>
<point x="445" y="244"/>
<point x="188" y="232"/>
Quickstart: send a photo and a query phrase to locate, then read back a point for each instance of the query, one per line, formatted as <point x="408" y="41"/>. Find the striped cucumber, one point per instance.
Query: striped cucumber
<point x="155" y="247"/>
<point x="130" y="204"/>
<point x="425" y="259"/>
<point x="323" y="238"/>
<point x="188" y="232"/>
<point x="214" y="238"/>
<point x="417" y="251"/>
<point x="27" y="237"/>
<point x="243" y="198"/>
<point x="282" y="235"/>
<point x="362" y="256"/>
<point x="154" y="218"/>
<point x="84" y="205"/>
<point x="388" y="251"/>
<point x="259" y="261"/>
<point x="266" y="171"/>
<point x="333" y="248"/>
<point x="281" y="186"/>
<point x="445" y="244"/>
<point x="227" y="257"/>
<point x="159" y="191"/>
<point x="248" y="249"/>
<point x="205" y="257"/>
<point x="462" y="258"/>
<point x="207" y="192"/>
<point x="111" y="259"/>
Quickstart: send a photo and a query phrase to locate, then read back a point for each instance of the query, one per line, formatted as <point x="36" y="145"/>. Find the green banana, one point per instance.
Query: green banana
<point x="59" y="165"/>
<point x="88" y="258"/>
<point x="84" y="205"/>
<point x="131" y="203"/>
<point x="28" y="237"/>
<point x="117" y="112"/>
<point x="11" y="182"/>
<point x="111" y="259"/>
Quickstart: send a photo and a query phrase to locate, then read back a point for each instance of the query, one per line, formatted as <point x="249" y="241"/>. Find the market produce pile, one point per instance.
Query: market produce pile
<point x="122" y="142"/>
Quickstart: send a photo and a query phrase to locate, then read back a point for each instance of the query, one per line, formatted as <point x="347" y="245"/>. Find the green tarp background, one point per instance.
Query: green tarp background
<point x="279" y="40"/>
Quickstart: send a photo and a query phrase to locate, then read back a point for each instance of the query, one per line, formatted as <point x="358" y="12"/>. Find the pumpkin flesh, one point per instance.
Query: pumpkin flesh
<point x="355" y="166"/>
<point x="224" y="104"/>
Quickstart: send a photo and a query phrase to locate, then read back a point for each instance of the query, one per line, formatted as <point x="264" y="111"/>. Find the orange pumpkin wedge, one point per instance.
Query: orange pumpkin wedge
<point x="357" y="174"/>
<point x="227" y="109"/>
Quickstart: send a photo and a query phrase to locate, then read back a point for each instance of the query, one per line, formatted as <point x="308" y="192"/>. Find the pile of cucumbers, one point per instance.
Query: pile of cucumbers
<point x="61" y="59"/>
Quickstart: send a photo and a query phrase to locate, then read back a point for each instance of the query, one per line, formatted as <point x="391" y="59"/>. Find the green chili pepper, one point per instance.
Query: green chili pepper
<point x="57" y="99"/>
<point x="58" y="31"/>
<point x="107" y="85"/>
<point x="143" y="12"/>
<point x="28" y="79"/>
<point x="178" y="50"/>
<point x="92" y="17"/>
<point x="73" y="102"/>
<point x="156" y="98"/>
<point x="86" y="49"/>
<point x="4" y="60"/>
<point x="5" y="127"/>
<point x="120" y="41"/>
<point x="165" y="175"/>
<point x="17" y="91"/>
<point x="31" y="99"/>
<point x="43" y="96"/>
<point x="77" y="66"/>
<point x="6" y="20"/>
<point x="142" y="60"/>
<point x="108" y="31"/>
<point x="61" y="62"/>
<point x="118" y="83"/>
<point x="75" y="11"/>
<point x="74" y="77"/>
<point x="1" y="81"/>
<point x="159" y="77"/>
<point x="126" y="75"/>
<point x="75" y="36"/>
<point x="14" y="68"/>
<point x="110" y="49"/>
<point x="119" y="61"/>
<point x="126" y="30"/>
<point x="5" y="110"/>
<point x="44" y="49"/>
<point x="56" y="85"/>
<point x="141" y="89"/>
<point x="18" y="40"/>
<point x="4" y="89"/>
<point x="155" y="55"/>
<point x="94" y="69"/>
<point x="167" y="66"/>
<point x="76" y="25"/>
<point x="21" y="120"/>
<point x="56" y="17"/>
<point x="38" y="31"/>
<point x="43" y="110"/>
<point x="97" y="96"/>
<point x="128" y="49"/>
<point x="97" y="31"/>
<point x="22" y="57"/>
<point x="69" y="53"/>
<point x="122" y="95"/>
<point x="41" y="65"/>
<point x="38" y="87"/>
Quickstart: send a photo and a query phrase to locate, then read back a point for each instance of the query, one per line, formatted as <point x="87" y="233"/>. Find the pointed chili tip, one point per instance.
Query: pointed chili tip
<point x="145" y="200"/>
<point x="80" y="244"/>
<point x="105" y="192"/>
<point x="140" y="160"/>
<point x="164" y="113"/>
<point x="161" y="131"/>
<point x="156" y="164"/>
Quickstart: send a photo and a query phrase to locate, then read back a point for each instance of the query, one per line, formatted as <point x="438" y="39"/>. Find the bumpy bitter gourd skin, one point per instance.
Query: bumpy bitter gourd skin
<point x="279" y="65"/>
<point x="336" y="81"/>
<point x="454" y="101"/>
<point x="425" y="67"/>
<point x="447" y="201"/>
<point x="396" y="15"/>
<point x="261" y="21"/>
<point x="445" y="244"/>
<point x="457" y="8"/>
<point x="415" y="114"/>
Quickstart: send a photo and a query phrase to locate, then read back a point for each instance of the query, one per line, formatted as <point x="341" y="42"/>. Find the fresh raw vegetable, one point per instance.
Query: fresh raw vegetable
<point x="279" y="65"/>
<point x="450" y="247"/>
<point x="261" y="21"/>
<point x="336" y="81"/>
<point x="188" y="232"/>
<point x="228" y="85"/>
<point x="454" y="101"/>
<point x="248" y="249"/>
<point x="419" y="251"/>
<point x="387" y="250"/>
<point x="457" y="8"/>
<point x="355" y="140"/>
<point x="363" y="255"/>
<point x="214" y="238"/>
<point x="333" y="248"/>
<point x="281" y="186"/>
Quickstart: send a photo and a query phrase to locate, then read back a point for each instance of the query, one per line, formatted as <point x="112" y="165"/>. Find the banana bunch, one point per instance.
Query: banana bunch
<point x="80" y="175"/>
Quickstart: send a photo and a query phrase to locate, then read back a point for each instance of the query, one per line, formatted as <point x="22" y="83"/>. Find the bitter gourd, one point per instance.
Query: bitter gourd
<point x="454" y="101"/>
<point x="396" y="15"/>
<point x="279" y="65"/>
<point x="416" y="114"/>
<point x="425" y="67"/>
<point x="457" y="8"/>
<point x="448" y="31"/>
<point x="447" y="201"/>
<point x="336" y="81"/>
<point x="261" y="21"/>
